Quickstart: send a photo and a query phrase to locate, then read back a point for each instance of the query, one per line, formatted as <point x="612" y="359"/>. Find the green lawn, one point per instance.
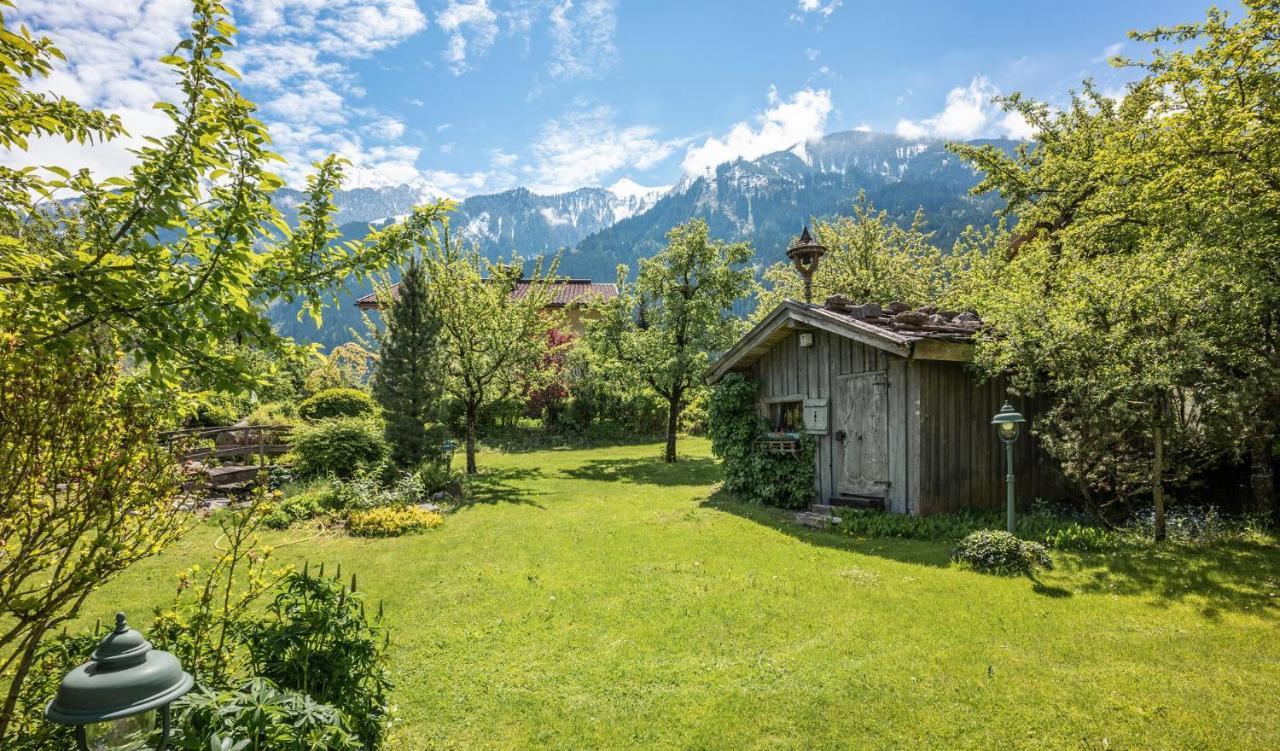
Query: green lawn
<point x="596" y="598"/>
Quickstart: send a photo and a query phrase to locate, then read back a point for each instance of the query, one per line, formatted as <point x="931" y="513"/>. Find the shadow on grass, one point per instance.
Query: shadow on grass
<point x="648" y="471"/>
<point x="522" y="440"/>
<point x="494" y="486"/>
<point x="917" y="552"/>
<point x="1240" y="577"/>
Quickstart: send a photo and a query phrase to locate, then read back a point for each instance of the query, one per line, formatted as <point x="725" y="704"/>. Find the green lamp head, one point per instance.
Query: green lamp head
<point x="113" y="699"/>
<point x="1008" y="423"/>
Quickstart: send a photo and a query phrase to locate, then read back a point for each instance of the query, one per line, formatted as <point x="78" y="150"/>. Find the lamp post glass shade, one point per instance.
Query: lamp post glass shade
<point x="1008" y="422"/>
<point x="119" y="699"/>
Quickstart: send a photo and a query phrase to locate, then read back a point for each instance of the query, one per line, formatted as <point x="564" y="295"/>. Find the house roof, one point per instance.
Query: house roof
<point x="566" y="292"/>
<point x="922" y="334"/>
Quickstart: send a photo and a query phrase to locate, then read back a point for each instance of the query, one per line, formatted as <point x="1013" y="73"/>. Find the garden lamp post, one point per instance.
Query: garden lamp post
<point x="113" y="699"/>
<point x="805" y="253"/>
<point x="1008" y="424"/>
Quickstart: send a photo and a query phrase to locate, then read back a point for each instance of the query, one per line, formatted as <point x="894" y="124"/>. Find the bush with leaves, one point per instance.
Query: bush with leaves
<point x="307" y="504"/>
<point x="318" y="641"/>
<point x="998" y="552"/>
<point x="336" y="403"/>
<point x="751" y="472"/>
<point x="341" y="446"/>
<point x="260" y="715"/>
<point x="391" y="521"/>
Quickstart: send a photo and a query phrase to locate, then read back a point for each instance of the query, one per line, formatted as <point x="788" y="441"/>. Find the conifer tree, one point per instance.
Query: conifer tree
<point x="407" y="382"/>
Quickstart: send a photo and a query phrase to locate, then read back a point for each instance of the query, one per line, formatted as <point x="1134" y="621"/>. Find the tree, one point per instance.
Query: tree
<point x="184" y="253"/>
<point x="1208" y="167"/>
<point x="1090" y="303"/>
<point x="663" y="327"/>
<point x="165" y="268"/>
<point x="408" y="380"/>
<point x="85" y="491"/>
<point x="869" y="259"/>
<point x="495" y="336"/>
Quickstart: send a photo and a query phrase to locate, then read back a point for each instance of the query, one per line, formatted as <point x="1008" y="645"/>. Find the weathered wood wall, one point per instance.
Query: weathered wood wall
<point x="961" y="459"/>
<point x="943" y="453"/>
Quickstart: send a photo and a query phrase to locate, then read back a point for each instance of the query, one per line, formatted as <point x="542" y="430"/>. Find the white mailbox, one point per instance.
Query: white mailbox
<point x="815" y="416"/>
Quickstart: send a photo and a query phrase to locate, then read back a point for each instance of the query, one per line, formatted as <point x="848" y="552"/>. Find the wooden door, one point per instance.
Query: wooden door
<point x="864" y="468"/>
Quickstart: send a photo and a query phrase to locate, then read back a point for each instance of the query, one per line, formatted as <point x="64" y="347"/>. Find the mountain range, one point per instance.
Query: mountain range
<point x="764" y="201"/>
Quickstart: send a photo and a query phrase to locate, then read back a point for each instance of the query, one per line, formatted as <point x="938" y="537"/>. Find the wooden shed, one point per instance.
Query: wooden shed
<point x="900" y="419"/>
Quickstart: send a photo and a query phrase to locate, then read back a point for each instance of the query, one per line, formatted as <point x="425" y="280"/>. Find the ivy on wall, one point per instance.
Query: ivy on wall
<point x="751" y="472"/>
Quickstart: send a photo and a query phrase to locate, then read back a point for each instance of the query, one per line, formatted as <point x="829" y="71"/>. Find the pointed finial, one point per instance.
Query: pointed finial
<point x="805" y="237"/>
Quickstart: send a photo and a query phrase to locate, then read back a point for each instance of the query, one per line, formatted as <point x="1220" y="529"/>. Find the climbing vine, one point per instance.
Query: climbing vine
<point x="751" y="472"/>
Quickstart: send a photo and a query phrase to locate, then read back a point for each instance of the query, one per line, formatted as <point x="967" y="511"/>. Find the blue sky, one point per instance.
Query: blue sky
<point x="475" y="96"/>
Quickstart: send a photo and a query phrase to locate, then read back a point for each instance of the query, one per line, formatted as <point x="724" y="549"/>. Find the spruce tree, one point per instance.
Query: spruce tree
<point x="407" y="381"/>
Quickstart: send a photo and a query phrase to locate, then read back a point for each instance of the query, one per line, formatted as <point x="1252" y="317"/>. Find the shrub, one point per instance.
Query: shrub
<point x="1041" y="525"/>
<point x="264" y="716"/>
<point x="317" y="640"/>
<point x="274" y="413"/>
<point x="307" y="504"/>
<point x="336" y="403"/>
<point x="341" y="447"/>
<point x="997" y="552"/>
<point x="749" y="471"/>
<point x="391" y="521"/>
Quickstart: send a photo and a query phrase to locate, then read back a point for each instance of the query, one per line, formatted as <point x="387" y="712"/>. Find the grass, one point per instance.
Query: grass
<point x="595" y="598"/>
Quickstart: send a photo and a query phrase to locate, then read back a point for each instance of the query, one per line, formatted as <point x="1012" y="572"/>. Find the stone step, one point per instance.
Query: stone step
<point x="814" y="520"/>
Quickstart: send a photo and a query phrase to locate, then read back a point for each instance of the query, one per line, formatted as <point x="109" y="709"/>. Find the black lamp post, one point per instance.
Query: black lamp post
<point x="805" y="253"/>
<point x="117" y="698"/>
<point x="1008" y="424"/>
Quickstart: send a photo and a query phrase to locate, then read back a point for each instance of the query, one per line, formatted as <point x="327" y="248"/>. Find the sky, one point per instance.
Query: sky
<point x="477" y="96"/>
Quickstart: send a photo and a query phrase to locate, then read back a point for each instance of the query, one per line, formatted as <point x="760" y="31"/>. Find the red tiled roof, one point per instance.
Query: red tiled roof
<point x="567" y="292"/>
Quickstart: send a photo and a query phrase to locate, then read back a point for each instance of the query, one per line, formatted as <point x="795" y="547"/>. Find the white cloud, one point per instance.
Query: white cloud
<point x="586" y="146"/>
<point x="344" y="28"/>
<point x="386" y="128"/>
<point x="1111" y="51"/>
<point x="294" y="56"/>
<point x="970" y="112"/>
<point x="781" y="126"/>
<point x="582" y="38"/>
<point x="472" y="27"/>
<point x="815" y="6"/>
<point x="502" y="159"/>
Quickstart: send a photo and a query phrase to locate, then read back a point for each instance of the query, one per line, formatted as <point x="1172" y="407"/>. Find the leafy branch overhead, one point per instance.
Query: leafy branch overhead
<point x="187" y="250"/>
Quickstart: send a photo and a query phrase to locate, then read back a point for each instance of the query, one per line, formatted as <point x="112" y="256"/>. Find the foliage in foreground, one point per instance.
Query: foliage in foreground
<point x="85" y="492"/>
<point x="998" y="552"/>
<point x="261" y="715"/>
<point x="751" y="472"/>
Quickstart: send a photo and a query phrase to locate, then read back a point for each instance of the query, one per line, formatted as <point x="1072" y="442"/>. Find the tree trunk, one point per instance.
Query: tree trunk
<point x="472" y="413"/>
<point x="1260" y="476"/>
<point x="673" y="423"/>
<point x="1157" y="479"/>
<point x="29" y="647"/>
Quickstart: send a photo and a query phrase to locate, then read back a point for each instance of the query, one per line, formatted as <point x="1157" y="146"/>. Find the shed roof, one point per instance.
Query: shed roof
<point x="566" y="292"/>
<point x="923" y="334"/>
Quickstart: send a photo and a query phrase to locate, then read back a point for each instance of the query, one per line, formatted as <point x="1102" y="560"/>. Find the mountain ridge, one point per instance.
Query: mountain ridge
<point x="764" y="200"/>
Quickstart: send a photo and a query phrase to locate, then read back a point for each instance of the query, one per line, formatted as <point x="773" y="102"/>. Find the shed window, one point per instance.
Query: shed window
<point x="787" y="417"/>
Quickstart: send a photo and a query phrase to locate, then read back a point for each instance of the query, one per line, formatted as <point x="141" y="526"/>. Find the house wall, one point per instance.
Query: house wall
<point x="788" y="371"/>
<point x="943" y="453"/>
<point x="961" y="458"/>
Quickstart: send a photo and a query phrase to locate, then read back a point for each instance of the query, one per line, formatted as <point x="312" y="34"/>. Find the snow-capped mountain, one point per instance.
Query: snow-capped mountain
<point x="764" y="201"/>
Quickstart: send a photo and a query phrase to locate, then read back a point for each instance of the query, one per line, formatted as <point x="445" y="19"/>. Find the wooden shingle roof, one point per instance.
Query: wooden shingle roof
<point x="924" y="334"/>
